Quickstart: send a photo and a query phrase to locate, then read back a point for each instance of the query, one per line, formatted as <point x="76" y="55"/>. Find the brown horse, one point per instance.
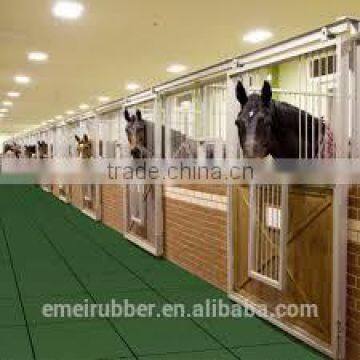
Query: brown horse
<point x="43" y="149"/>
<point x="84" y="147"/>
<point x="30" y="151"/>
<point x="12" y="149"/>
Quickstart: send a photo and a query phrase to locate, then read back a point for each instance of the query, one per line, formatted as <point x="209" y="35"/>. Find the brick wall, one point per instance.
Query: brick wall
<point x="113" y="206"/>
<point x="198" y="246"/>
<point x="353" y="276"/>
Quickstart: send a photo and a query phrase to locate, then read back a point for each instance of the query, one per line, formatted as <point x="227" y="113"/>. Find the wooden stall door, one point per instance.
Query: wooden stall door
<point x="308" y="263"/>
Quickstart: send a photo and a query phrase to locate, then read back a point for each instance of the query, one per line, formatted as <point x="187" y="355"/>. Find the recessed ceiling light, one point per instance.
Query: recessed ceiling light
<point x="59" y="117"/>
<point x="104" y="99"/>
<point x="176" y="68"/>
<point x="13" y="94"/>
<point x="22" y="79"/>
<point x="132" y="86"/>
<point x="7" y="103"/>
<point x="2" y="115"/>
<point x="38" y="56"/>
<point x="257" y="36"/>
<point x="4" y="111"/>
<point x="69" y="10"/>
<point x="84" y="107"/>
<point x="70" y="112"/>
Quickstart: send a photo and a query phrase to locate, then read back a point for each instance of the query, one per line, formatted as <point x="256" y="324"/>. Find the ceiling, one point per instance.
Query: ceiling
<point x="120" y="41"/>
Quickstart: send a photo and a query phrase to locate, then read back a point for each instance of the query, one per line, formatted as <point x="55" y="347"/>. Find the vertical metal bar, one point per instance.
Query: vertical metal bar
<point x="257" y="229"/>
<point x="307" y="105"/>
<point x="300" y="66"/>
<point x="158" y="188"/>
<point x="266" y="231"/>
<point x="345" y="70"/>
<point x="263" y="208"/>
<point x="252" y="228"/>
<point x="283" y="235"/>
<point x="271" y="235"/>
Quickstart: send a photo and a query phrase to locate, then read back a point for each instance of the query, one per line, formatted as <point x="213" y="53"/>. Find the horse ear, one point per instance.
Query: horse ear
<point x="77" y="138"/>
<point x="39" y="143"/>
<point x="86" y="138"/>
<point x="241" y="93"/>
<point x="266" y="93"/>
<point x="138" y="115"/>
<point x="127" y="115"/>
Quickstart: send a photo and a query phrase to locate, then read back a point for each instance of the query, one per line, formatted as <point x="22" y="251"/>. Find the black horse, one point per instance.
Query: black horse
<point x="270" y="127"/>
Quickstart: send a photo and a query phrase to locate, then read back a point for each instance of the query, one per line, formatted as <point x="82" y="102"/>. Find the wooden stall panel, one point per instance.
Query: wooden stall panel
<point x="113" y="206"/>
<point x="77" y="196"/>
<point x="308" y="278"/>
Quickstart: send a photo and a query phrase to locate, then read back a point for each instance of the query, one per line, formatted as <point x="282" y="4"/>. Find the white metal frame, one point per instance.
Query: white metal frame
<point x="158" y="248"/>
<point x="253" y="273"/>
<point x="95" y="214"/>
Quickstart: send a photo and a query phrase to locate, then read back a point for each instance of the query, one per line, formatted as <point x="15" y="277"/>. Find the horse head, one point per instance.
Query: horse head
<point x="136" y="134"/>
<point x="42" y="149"/>
<point x="30" y="151"/>
<point x="84" y="147"/>
<point x="255" y="121"/>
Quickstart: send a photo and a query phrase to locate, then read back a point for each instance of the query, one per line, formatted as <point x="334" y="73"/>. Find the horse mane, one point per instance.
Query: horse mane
<point x="288" y="117"/>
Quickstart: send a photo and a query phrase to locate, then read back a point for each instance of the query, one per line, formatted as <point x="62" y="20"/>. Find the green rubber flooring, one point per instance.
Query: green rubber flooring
<point x="52" y="253"/>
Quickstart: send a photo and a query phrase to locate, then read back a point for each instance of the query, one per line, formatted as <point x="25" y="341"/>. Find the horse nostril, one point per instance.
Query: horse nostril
<point x="135" y="153"/>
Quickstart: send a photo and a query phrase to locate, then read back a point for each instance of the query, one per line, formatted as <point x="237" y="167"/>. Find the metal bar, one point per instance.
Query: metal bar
<point x="284" y="201"/>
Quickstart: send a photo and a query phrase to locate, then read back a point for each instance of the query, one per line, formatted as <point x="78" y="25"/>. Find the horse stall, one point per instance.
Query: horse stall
<point x="195" y="214"/>
<point x="86" y="197"/>
<point x="141" y="139"/>
<point x="45" y="149"/>
<point x="287" y="243"/>
<point x="110" y="147"/>
<point x="61" y="151"/>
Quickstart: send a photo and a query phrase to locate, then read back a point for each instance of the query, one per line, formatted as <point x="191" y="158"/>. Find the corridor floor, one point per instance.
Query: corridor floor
<point x="50" y="253"/>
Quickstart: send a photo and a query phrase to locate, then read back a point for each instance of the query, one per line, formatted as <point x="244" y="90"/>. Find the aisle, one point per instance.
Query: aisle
<point x="50" y="253"/>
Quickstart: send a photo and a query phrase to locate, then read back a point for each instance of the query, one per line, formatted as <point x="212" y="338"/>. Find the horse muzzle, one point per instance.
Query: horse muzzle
<point x="135" y="153"/>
